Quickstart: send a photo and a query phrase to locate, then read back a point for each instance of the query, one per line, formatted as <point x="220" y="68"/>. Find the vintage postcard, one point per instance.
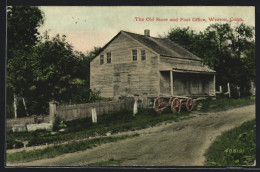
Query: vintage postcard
<point x="130" y="86"/>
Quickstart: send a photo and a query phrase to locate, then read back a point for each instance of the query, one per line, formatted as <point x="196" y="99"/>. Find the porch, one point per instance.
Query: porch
<point x="189" y="84"/>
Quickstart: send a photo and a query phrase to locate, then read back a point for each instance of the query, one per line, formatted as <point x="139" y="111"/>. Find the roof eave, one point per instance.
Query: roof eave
<point x="181" y="57"/>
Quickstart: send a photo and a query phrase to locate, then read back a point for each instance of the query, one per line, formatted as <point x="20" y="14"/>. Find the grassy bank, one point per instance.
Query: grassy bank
<point x="236" y="147"/>
<point x="54" y="151"/>
<point x="220" y="104"/>
<point x="84" y="128"/>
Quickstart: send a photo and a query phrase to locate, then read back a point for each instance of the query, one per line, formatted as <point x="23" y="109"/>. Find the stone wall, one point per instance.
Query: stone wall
<point x="26" y="120"/>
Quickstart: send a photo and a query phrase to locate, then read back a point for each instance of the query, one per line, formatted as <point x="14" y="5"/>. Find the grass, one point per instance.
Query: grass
<point x="113" y="123"/>
<point x="83" y="128"/>
<point x="236" y="147"/>
<point x="119" y="122"/>
<point x="221" y="104"/>
<point x="54" y="151"/>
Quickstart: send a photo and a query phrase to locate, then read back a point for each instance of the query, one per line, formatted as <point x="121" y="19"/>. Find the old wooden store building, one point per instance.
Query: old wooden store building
<point x="150" y="67"/>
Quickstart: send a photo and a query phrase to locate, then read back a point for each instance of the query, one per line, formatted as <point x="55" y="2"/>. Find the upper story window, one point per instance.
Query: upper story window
<point x="108" y="57"/>
<point x="143" y="54"/>
<point x="134" y="53"/>
<point x="101" y="59"/>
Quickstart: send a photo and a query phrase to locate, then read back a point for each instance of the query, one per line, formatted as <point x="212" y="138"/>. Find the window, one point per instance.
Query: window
<point x="108" y="57"/>
<point x="143" y="54"/>
<point x="101" y="59"/>
<point x="134" y="53"/>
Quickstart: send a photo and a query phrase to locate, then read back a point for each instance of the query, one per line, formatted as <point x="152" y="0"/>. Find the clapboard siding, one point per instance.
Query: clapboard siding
<point x="125" y="77"/>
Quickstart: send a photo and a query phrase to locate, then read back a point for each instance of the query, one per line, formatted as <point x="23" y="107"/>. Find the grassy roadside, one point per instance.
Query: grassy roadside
<point x="84" y="128"/>
<point x="221" y="104"/>
<point x="117" y="122"/>
<point x="54" y="151"/>
<point x="236" y="147"/>
<point x="112" y="123"/>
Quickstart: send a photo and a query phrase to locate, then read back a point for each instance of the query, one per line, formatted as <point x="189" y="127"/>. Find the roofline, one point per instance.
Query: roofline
<point x="125" y="33"/>
<point x="106" y="45"/>
<point x="180" y="58"/>
<point x="191" y="71"/>
<point x="179" y="46"/>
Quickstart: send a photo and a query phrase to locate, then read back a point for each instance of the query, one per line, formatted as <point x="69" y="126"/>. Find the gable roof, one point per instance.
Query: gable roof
<point x="163" y="46"/>
<point x="167" y="48"/>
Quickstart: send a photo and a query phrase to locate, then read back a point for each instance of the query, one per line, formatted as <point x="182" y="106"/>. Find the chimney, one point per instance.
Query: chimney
<point x="147" y="32"/>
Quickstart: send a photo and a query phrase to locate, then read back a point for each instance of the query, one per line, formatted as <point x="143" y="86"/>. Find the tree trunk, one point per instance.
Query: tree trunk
<point x="15" y="106"/>
<point x="25" y="107"/>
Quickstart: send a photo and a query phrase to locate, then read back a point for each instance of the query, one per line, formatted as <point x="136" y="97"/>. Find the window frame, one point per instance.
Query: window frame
<point x="134" y="56"/>
<point x="143" y="56"/>
<point x="101" y="59"/>
<point x="109" y="58"/>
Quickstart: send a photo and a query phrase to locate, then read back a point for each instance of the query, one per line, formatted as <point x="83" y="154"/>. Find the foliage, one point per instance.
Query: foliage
<point x="55" y="71"/>
<point x="236" y="147"/>
<point x="225" y="49"/>
<point x="94" y="95"/>
<point x="40" y="68"/>
<point x="54" y="151"/>
<point x="84" y="93"/>
<point x="22" y="25"/>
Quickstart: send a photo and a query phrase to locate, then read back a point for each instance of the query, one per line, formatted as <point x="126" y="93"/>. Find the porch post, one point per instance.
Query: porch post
<point x="171" y="80"/>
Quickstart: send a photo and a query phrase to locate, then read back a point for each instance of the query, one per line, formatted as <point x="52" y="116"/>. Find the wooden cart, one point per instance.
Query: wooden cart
<point x="175" y="102"/>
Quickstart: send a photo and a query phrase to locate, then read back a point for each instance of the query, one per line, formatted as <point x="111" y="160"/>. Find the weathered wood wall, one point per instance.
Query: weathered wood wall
<point x="165" y="85"/>
<point x="123" y="76"/>
<point x="189" y="84"/>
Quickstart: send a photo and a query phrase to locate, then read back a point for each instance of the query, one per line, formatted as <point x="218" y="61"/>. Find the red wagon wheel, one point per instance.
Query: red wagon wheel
<point x="159" y="105"/>
<point x="189" y="104"/>
<point x="176" y="105"/>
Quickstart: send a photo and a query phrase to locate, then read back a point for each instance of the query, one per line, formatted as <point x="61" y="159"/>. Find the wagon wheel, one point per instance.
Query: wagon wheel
<point x="170" y="100"/>
<point x="158" y="105"/>
<point x="189" y="104"/>
<point x="176" y="105"/>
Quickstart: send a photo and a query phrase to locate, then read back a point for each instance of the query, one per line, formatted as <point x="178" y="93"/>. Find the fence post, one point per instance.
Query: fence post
<point x="94" y="114"/>
<point x="220" y="89"/>
<point x="135" y="108"/>
<point x="229" y="90"/>
<point x="52" y="111"/>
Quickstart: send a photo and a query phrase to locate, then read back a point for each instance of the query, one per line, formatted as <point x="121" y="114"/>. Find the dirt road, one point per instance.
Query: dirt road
<point x="181" y="143"/>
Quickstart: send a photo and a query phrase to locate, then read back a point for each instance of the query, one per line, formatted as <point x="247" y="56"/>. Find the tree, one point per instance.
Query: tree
<point x="55" y="73"/>
<point x="84" y="93"/>
<point x="22" y="25"/>
<point x="225" y="49"/>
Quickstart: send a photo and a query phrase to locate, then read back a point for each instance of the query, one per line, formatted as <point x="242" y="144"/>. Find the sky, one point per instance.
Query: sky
<point x="86" y="27"/>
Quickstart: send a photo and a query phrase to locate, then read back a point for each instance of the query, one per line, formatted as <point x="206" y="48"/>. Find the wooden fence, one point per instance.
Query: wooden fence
<point x="72" y="112"/>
